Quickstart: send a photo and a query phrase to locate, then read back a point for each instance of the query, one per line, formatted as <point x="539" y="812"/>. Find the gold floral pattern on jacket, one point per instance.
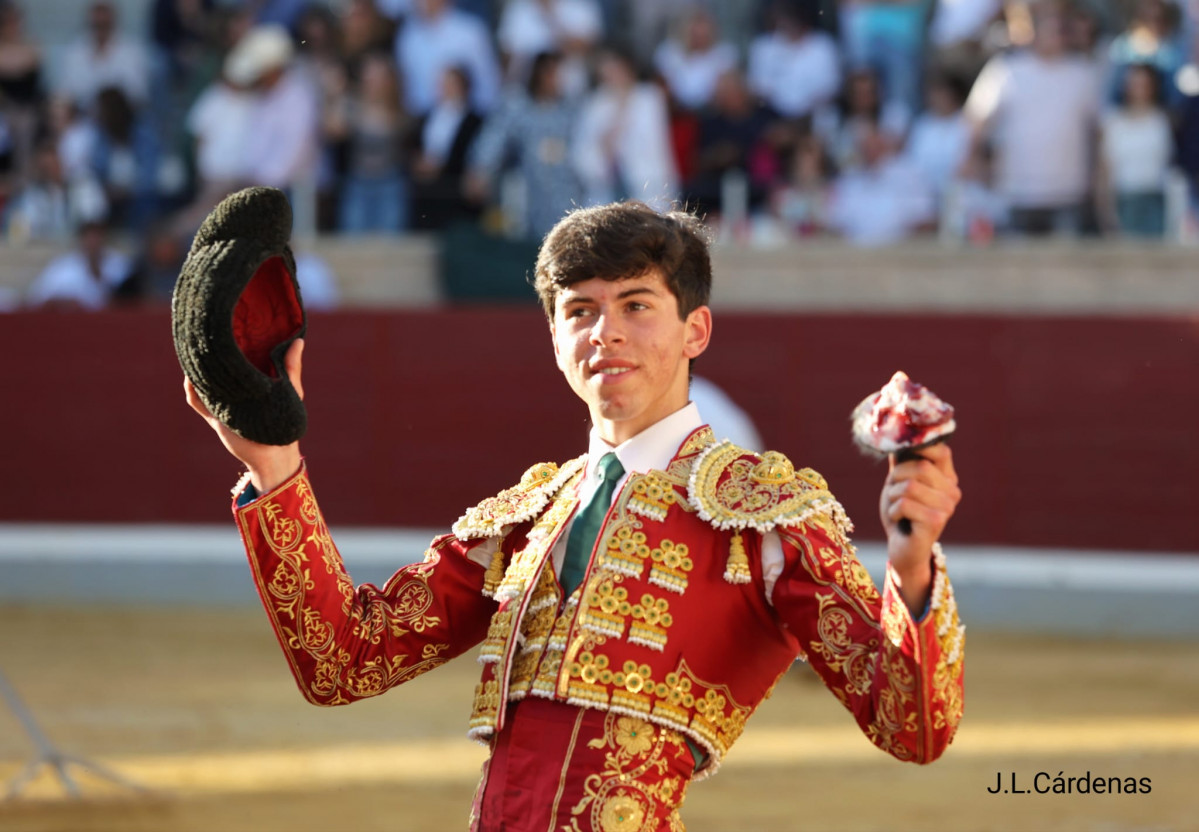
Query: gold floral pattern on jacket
<point x="733" y="488"/>
<point x="338" y="676"/>
<point x="635" y="787"/>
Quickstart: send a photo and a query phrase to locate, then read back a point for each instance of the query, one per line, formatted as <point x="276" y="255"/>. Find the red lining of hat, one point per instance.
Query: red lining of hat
<point x="267" y="314"/>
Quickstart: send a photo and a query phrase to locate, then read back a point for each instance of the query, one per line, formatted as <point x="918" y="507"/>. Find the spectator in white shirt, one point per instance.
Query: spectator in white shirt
<point x="570" y="28"/>
<point x="692" y="62"/>
<point x="1041" y="107"/>
<point x="796" y="68"/>
<point x="622" y="147"/>
<point x="85" y="278"/>
<point x="104" y="58"/>
<point x="434" y="37"/>
<point x="883" y="199"/>
<point x="940" y="138"/>
<point x="1137" y="147"/>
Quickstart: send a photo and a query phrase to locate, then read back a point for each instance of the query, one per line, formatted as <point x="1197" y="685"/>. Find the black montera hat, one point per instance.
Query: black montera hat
<point x="236" y="310"/>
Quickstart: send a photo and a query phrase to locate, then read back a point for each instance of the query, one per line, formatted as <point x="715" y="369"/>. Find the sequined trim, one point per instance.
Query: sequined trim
<point x="733" y="488"/>
<point x="680" y="700"/>
<point x="521" y="502"/>
<point x="946" y="699"/>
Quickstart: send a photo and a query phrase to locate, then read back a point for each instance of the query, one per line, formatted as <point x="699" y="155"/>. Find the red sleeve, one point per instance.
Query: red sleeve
<point x="901" y="679"/>
<point x="344" y="644"/>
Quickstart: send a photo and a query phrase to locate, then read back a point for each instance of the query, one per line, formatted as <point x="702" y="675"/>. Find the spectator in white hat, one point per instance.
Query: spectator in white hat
<point x="282" y="138"/>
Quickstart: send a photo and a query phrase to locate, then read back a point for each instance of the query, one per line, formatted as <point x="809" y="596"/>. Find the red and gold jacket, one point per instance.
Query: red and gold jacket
<point x="671" y="624"/>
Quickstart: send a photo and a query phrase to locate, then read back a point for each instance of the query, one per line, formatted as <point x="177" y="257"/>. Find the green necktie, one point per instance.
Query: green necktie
<point x="587" y="524"/>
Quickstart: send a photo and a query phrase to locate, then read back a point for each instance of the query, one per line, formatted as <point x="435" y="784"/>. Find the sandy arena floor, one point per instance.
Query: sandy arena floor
<point x="199" y="706"/>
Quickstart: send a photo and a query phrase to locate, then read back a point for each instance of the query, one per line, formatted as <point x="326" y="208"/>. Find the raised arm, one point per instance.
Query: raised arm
<point x="268" y="465"/>
<point x="343" y="643"/>
<point x="894" y="660"/>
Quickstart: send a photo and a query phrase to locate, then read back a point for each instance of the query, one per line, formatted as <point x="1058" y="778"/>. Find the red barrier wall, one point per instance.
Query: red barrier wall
<point x="1073" y="432"/>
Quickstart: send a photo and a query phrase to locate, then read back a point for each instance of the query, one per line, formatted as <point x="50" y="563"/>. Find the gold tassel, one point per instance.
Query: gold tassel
<point x="736" y="568"/>
<point x="494" y="573"/>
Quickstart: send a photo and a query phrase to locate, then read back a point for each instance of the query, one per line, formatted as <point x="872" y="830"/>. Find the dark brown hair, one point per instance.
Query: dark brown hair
<point x="623" y="240"/>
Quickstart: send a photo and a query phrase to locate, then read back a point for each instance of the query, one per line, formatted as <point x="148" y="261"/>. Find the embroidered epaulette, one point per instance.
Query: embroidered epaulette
<point x="733" y="488"/>
<point x="521" y="502"/>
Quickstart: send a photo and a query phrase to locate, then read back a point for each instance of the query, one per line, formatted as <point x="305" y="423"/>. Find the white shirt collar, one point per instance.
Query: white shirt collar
<point x="653" y="448"/>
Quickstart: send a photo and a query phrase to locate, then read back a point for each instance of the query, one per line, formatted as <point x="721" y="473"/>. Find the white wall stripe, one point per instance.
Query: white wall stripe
<point x="991" y="566"/>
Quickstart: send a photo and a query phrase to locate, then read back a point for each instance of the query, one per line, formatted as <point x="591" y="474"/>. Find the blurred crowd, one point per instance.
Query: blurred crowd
<point x="868" y="120"/>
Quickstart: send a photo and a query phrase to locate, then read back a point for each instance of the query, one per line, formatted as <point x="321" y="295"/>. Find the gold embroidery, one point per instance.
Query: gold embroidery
<point x="774" y="469"/>
<point x="736" y="568"/>
<point x="535" y="630"/>
<point x="625" y="552"/>
<point x="622" y="813"/>
<point x="696" y="442"/>
<point x="606" y="609"/>
<point x="947" y="704"/>
<point x="528" y="563"/>
<point x="497" y="636"/>
<point x="705" y="711"/>
<point x="517" y="504"/>
<point x="494" y="573"/>
<point x="652" y="496"/>
<point x="486" y="704"/>
<point x="651" y="619"/>
<point x="538" y="474"/>
<point x="338" y="675"/>
<point x="635" y="782"/>
<point x="672" y="562"/>
<point x="527" y="566"/>
<point x="546" y="680"/>
<point x="733" y="488"/>
<point x="854" y="660"/>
